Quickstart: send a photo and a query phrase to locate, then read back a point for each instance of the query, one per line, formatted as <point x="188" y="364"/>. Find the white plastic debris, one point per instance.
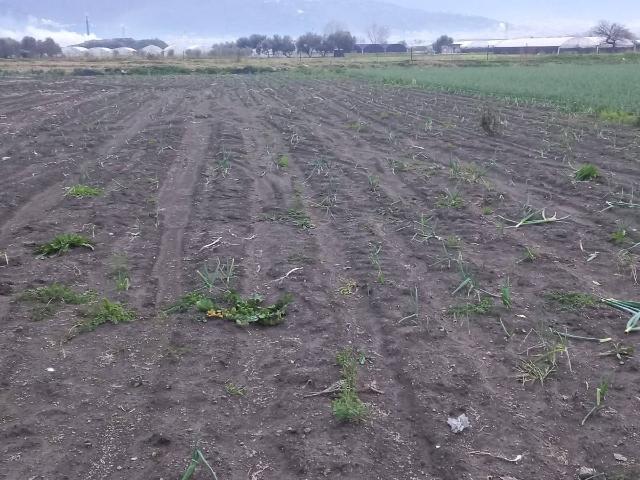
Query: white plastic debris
<point x="459" y="424"/>
<point x="51" y="369"/>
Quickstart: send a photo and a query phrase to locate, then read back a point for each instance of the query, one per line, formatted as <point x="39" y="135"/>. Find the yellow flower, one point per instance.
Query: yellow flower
<point x="215" y="314"/>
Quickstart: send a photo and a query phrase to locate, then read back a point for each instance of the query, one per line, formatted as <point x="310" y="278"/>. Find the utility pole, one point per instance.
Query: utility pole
<point x="87" y="22"/>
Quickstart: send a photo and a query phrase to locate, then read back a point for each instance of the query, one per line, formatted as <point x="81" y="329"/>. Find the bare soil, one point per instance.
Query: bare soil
<point x="187" y="160"/>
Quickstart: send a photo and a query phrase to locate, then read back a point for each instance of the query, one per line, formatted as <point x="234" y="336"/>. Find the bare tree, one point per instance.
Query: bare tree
<point x="378" y="34"/>
<point x="612" y="32"/>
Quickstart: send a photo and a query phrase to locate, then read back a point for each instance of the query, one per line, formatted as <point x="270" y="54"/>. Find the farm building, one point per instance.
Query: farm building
<point x="100" y="52"/>
<point x="151" y="51"/>
<point x="397" y="48"/>
<point x="536" y="45"/>
<point x="124" y="52"/>
<point x="75" y="51"/>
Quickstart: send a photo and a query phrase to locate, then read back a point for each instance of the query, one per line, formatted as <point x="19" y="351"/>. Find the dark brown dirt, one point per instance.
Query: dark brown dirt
<point x="130" y="401"/>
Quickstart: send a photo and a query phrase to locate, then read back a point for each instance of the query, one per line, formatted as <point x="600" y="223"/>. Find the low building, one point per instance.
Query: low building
<point x="74" y="52"/>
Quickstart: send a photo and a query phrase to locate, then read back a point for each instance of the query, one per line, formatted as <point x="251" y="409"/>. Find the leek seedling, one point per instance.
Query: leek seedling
<point x="630" y="307"/>
<point x="601" y="392"/>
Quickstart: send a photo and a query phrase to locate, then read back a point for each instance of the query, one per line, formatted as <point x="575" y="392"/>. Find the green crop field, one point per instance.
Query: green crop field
<point x="576" y="87"/>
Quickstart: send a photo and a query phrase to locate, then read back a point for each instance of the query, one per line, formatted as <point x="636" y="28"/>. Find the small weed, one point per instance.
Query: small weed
<point x="106" y="311"/>
<point x="283" y="161"/>
<point x="300" y="219"/>
<point x="450" y="200"/>
<point x="425" y="229"/>
<point x="235" y="390"/>
<point x="544" y="364"/>
<point x="348" y="287"/>
<point x="467" y="279"/>
<point x="618" y="116"/>
<point x="467" y="173"/>
<point x="572" y="301"/>
<point x="619" y="236"/>
<point x="529" y="255"/>
<point x="505" y="293"/>
<point x="63" y="243"/>
<point x="397" y="165"/>
<point x="532" y="371"/>
<point x="374" y="182"/>
<point x="186" y="302"/>
<point x="374" y="256"/>
<point x="120" y="272"/>
<point x="490" y="122"/>
<point x="348" y="407"/>
<point x="487" y="210"/>
<point x="628" y="261"/>
<point x="83" y="191"/>
<point x="58" y="293"/>
<point x="587" y="172"/>
<point x="223" y="162"/>
<point x="483" y="307"/>
<point x="357" y="126"/>
<point x="300" y="258"/>
<point x="453" y="242"/>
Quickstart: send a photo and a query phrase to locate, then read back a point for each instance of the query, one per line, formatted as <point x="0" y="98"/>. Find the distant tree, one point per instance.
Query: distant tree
<point x="287" y="47"/>
<point x="229" y="49"/>
<point x="28" y="47"/>
<point x="441" y="42"/>
<point x="48" y="47"/>
<point x="378" y="34"/>
<point x="256" y="42"/>
<point x="309" y="43"/>
<point x="342" y="39"/>
<point x="613" y="33"/>
<point x="9" y="48"/>
<point x="242" y="42"/>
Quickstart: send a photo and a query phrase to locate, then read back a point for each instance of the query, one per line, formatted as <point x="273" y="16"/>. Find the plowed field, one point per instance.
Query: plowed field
<point x="371" y="205"/>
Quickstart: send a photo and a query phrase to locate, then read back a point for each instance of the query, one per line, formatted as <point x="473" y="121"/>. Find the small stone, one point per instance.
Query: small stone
<point x="119" y="467"/>
<point x="620" y="458"/>
<point x="586" y="472"/>
<point x="307" y="430"/>
<point x="291" y="430"/>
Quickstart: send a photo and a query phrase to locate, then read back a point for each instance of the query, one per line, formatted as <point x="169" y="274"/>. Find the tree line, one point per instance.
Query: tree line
<point x="310" y="43"/>
<point x="28" y="47"/>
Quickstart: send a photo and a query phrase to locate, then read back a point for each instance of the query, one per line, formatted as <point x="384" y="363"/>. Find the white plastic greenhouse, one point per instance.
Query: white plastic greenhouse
<point x="74" y="51"/>
<point x="151" y="51"/>
<point x="124" y="51"/>
<point x="542" y="45"/>
<point x="100" y="52"/>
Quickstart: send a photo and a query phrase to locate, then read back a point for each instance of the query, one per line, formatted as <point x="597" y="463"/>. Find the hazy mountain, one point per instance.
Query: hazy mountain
<point x="230" y="18"/>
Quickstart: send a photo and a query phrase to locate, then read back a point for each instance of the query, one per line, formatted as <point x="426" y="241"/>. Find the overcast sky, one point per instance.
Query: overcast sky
<point x="524" y="11"/>
<point x="63" y="19"/>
